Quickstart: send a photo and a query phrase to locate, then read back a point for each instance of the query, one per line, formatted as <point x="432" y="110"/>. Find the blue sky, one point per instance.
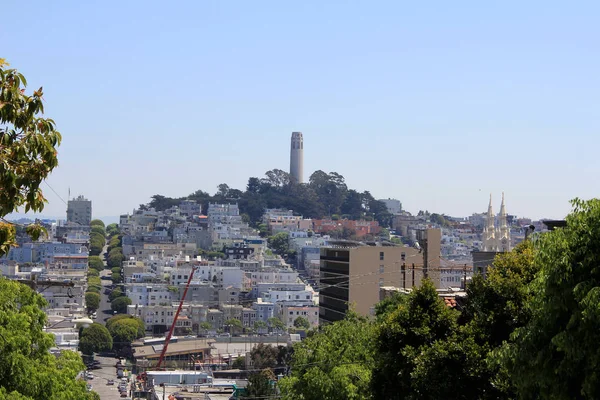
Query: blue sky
<point x="434" y="103"/>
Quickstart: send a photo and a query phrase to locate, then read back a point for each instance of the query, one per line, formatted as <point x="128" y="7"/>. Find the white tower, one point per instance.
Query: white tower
<point x="489" y="231"/>
<point x="503" y="232"/>
<point x="297" y="157"/>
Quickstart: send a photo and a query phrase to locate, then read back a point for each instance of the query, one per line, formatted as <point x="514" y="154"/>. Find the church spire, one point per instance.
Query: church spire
<point x="489" y="231"/>
<point x="503" y="234"/>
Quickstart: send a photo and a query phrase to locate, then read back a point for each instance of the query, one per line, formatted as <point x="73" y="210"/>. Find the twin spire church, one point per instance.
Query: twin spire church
<point x="496" y="238"/>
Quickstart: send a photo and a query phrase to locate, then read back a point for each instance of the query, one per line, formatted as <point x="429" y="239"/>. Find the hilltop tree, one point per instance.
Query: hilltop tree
<point x="28" y="153"/>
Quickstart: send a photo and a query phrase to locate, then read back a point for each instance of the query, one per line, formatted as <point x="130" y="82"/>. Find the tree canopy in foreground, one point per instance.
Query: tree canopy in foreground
<point x="27" y="368"/>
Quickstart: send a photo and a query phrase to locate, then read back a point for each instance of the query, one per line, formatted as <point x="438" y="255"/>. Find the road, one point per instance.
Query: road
<point x="104" y="310"/>
<point x="101" y="377"/>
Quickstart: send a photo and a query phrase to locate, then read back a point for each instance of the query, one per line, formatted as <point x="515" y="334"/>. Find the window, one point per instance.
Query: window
<point x="381" y="269"/>
<point x="381" y="255"/>
<point x="380" y="282"/>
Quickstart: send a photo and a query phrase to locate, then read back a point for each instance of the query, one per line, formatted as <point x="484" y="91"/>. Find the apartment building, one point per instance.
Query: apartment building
<point x="352" y="273"/>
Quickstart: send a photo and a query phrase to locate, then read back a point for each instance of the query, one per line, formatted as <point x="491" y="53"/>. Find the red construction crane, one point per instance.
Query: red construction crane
<point x="168" y="339"/>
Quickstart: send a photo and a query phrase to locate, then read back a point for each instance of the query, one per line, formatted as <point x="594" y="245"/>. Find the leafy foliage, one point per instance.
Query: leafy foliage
<point x="28" y="152"/>
<point x="95" y="339"/>
<point x="92" y="301"/>
<point x="120" y="304"/>
<point x="264" y="356"/>
<point x="27" y="369"/>
<point x="280" y="243"/>
<point x="239" y="363"/>
<point x="555" y="355"/>
<point x="301" y="323"/>
<point x="260" y="385"/>
<point x="96" y="263"/>
<point x="403" y="337"/>
<point x="324" y="195"/>
<point x="124" y="329"/>
<point x="112" y="230"/>
<point x="334" y="364"/>
<point x="97" y="222"/>
<point x="116" y="292"/>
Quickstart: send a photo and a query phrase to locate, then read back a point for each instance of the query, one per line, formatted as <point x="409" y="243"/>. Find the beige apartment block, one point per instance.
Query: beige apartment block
<point x="352" y="273"/>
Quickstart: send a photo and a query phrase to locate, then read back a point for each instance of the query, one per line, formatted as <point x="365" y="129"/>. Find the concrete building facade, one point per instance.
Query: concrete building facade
<point x="351" y="273"/>
<point x="79" y="211"/>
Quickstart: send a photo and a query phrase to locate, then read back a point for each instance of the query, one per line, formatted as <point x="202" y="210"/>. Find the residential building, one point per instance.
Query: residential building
<point x="79" y="211"/>
<point x="394" y="206"/>
<point x="352" y="273"/>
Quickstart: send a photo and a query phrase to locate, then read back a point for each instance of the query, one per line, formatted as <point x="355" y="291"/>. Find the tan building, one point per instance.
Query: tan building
<point x="352" y="272"/>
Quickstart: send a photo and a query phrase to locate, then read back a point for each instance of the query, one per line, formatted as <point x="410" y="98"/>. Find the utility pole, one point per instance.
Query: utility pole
<point x="413" y="275"/>
<point x="403" y="269"/>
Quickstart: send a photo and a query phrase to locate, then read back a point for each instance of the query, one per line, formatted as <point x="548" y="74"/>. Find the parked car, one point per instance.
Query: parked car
<point x="110" y="382"/>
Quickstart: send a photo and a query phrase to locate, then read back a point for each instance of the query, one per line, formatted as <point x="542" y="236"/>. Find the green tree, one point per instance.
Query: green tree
<point x="97" y="229"/>
<point x="264" y="356"/>
<point x="125" y="330"/>
<point x="27" y="368"/>
<point x="275" y="323"/>
<point x="112" y="229"/>
<point x="279" y="243"/>
<point x="94" y="284"/>
<point x="95" y="339"/>
<point x="116" y="277"/>
<point x="93" y="272"/>
<point x="28" y="153"/>
<point x="92" y="301"/>
<point x="205" y="326"/>
<point x="96" y="263"/>
<point x="234" y="324"/>
<point x="403" y="336"/>
<point x="239" y="363"/>
<point x="301" y="323"/>
<point x="334" y="364"/>
<point x="97" y="222"/>
<point x="115" y="258"/>
<point x="120" y="304"/>
<point x="115" y="293"/>
<point x="260" y="385"/>
<point x="555" y="356"/>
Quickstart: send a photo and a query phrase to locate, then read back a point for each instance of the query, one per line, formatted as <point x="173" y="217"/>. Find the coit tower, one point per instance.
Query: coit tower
<point x="297" y="157"/>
